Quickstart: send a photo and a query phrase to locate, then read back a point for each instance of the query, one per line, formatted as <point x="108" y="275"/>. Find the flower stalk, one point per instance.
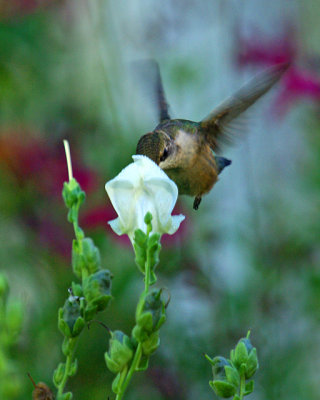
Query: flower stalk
<point x="150" y="315"/>
<point x="86" y="298"/>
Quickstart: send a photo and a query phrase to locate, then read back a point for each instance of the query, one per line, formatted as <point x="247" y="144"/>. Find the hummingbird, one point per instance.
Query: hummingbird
<point x="189" y="152"/>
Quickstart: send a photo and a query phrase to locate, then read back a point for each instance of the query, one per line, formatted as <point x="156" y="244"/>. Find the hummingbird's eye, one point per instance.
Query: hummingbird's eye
<point x="164" y="155"/>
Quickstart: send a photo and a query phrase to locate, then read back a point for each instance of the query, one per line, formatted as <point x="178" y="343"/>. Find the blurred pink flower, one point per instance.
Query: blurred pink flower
<point x="259" y="50"/>
<point x="299" y="83"/>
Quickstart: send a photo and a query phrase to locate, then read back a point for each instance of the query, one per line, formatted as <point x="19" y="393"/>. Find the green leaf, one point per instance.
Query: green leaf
<point x="249" y="388"/>
<point x="150" y="345"/>
<point x="232" y="375"/>
<point x="252" y="364"/>
<point x="240" y="354"/>
<point x="143" y="364"/>
<point x="116" y="384"/>
<point x="66" y="396"/>
<point x="223" y="389"/>
<point x="78" y="327"/>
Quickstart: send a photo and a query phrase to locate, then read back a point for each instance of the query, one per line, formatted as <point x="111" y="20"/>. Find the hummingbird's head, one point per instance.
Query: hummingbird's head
<point x="156" y="145"/>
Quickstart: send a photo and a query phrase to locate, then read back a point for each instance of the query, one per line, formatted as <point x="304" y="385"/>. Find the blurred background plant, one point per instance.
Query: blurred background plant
<point x="249" y="258"/>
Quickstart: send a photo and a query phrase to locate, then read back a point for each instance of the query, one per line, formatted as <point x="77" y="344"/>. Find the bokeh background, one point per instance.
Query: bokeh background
<point x="248" y="258"/>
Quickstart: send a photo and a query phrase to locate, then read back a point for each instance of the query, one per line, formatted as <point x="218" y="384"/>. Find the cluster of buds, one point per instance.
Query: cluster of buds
<point x="120" y="353"/>
<point x="150" y="313"/>
<point x="85" y="299"/>
<point x="231" y="376"/>
<point x="150" y="316"/>
<point x="94" y="294"/>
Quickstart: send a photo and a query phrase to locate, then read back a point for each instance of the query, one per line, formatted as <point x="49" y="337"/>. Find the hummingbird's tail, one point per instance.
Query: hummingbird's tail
<point x="222" y="163"/>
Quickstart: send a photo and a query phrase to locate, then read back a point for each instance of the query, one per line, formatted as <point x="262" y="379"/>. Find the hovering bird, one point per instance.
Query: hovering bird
<point x="188" y="151"/>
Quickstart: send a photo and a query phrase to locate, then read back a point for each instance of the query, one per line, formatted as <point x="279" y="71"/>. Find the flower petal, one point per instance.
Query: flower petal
<point x="116" y="226"/>
<point x="139" y="188"/>
<point x="175" y="223"/>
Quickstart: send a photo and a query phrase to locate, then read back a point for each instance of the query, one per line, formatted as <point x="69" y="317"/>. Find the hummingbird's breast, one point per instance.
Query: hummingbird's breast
<point x="196" y="177"/>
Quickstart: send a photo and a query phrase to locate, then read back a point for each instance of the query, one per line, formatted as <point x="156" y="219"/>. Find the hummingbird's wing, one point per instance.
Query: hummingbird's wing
<point x="163" y="107"/>
<point x="220" y="126"/>
<point x="148" y="72"/>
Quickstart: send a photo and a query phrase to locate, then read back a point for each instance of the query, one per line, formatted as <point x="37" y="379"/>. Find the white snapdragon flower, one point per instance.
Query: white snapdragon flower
<point x="141" y="187"/>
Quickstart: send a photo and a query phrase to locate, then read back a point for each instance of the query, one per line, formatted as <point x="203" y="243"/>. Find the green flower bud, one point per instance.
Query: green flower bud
<point x="218" y="367"/>
<point x="240" y="354"/>
<point x="85" y="256"/>
<point x="223" y="389"/>
<point x="226" y="378"/>
<point x="72" y="193"/>
<point x="70" y="320"/>
<point x="97" y="291"/>
<point x="91" y="255"/>
<point x="140" y="249"/>
<point x="120" y="351"/>
<point x="153" y="250"/>
<point x="148" y="218"/>
<point x="76" y="289"/>
<point x="68" y="346"/>
<point x="244" y="357"/>
<point x="14" y="317"/>
<point x="150" y="315"/>
<point x="151" y="344"/>
<point x="4" y="286"/>
<point x="59" y="374"/>
<point x="252" y="364"/>
<point x="73" y="368"/>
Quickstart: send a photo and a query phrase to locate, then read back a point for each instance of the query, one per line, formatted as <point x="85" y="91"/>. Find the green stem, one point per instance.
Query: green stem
<point x="147" y="275"/>
<point x="133" y="367"/>
<point x="66" y="371"/>
<point x="147" y="265"/>
<point x="242" y="386"/>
